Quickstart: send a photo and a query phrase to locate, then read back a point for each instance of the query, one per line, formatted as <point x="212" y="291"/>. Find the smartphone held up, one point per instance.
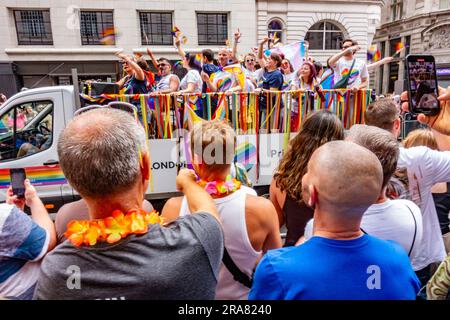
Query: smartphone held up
<point x="18" y="177"/>
<point x="422" y="84"/>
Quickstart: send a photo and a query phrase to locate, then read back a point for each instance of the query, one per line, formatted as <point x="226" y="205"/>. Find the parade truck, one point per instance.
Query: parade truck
<point x="32" y="120"/>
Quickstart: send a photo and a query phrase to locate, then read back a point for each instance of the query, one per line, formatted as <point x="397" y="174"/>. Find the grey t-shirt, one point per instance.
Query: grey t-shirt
<point x="179" y="261"/>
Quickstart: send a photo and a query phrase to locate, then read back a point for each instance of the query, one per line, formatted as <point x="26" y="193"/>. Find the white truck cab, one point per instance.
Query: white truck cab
<point x="30" y="123"/>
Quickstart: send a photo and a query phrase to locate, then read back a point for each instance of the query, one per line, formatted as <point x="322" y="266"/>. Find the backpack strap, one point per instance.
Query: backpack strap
<point x="238" y="275"/>
<point x="415" y="230"/>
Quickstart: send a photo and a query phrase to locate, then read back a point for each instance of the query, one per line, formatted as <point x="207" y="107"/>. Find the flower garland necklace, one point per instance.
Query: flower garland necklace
<point x="110" y="229"/>
<point x="220" y="188"/>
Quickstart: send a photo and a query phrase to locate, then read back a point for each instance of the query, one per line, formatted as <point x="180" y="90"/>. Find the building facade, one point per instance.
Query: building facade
<point x="43" y="40"/>
<point x="423" y="27"/>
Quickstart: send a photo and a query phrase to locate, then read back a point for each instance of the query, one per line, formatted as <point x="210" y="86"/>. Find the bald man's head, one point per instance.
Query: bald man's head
<point x="342" y="178"/>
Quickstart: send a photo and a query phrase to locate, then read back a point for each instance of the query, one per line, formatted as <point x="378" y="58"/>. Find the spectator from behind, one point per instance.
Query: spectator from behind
<point x="340" y="261"/>
<point x="249" y="222"/>
<point x="286" y="186"/>
<point x="441" y="191"/>
<point x="24" y="241"/>
<point x="423" y="168"/>
<point x="126" y="253"/>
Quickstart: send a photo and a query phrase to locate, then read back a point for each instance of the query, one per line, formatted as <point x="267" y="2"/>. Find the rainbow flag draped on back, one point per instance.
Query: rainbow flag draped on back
<point x="222" y="79"/>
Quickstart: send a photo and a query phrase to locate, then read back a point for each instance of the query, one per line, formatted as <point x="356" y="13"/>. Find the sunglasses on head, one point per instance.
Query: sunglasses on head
<point x="124" y="106"/>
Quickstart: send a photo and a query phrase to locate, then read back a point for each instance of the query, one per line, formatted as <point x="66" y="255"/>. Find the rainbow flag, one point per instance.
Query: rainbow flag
<point x="245" y="154"/>
<point x="108" y="37"/>
<point x="190" y="117"/>
<point x="175" y="31"/>
<point x="220" y="112"/>
<point x="294" y="52"/>
<point x="236" y="69"/>
<point x="373" y="53"/>
<point x="399" y="46"/>
<point x="39" y="176"/>
<point x="222" y="80"/>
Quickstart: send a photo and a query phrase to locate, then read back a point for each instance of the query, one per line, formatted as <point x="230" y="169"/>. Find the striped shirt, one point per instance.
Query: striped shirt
<point x="22" y="244"/>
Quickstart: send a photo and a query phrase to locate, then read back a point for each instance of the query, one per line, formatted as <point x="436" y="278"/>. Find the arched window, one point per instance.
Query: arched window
<point x="324" y="35"/>
<point x="275" y="29"/>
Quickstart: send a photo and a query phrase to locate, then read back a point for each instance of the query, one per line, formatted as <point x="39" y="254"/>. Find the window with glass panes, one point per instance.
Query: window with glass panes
<point x="33" y="27"/>
<point x="212" y="28"/>
<point x="396" y="10"/>
<point x="156" y="28"/>
<point x="275" y="30"/>
<point x="94" y="25"/>
<point x="324" y="35"/>
<point x="393" y="66"/>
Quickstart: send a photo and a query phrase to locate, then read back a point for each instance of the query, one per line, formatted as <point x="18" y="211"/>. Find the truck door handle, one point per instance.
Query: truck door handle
<point x="51" y="163"/>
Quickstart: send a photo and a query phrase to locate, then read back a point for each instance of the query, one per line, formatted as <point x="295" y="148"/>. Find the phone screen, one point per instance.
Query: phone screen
<point x="18" y="177"/>
<point x="422" y="85"/>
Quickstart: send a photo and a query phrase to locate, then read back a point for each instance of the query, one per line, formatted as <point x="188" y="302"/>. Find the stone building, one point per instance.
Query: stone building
<point x="423" y="27"/>
<point x="42" y="40"/>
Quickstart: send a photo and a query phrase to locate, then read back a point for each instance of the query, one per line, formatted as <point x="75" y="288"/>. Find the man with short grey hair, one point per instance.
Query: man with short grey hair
<point x="124" y="252"/>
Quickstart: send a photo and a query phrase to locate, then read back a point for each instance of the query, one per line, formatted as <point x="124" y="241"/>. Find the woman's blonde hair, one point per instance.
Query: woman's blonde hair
<point x="420" y="137"/>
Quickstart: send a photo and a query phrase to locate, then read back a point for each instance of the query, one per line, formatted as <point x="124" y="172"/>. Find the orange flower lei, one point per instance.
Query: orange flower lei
<point x="112" y="228"/>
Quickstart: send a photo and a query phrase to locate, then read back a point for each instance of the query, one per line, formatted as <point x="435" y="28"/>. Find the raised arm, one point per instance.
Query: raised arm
<point x="334" y="59"/>
<point x="375" y="65"/>
<point x="261" y="60"/>
<point x="138" y="72"/>
<point x="237" y="36"/>
<point x="152" y="57"/>
<point x="179" y="48"/>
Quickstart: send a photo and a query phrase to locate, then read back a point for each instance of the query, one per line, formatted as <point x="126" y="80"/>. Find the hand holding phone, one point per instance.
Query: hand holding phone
<point x="439" y="122"/>
<point x="422" y="85"/>
<point x="18" y="177"/>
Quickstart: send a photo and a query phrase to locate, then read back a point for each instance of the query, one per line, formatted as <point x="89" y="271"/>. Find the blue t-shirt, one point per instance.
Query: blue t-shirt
<point x="366" y="268"/>
<point x="135" y="86"/>
<point x="269" y="80"/>
<point x="272" y="79"/>
<point x="22" y="244"/>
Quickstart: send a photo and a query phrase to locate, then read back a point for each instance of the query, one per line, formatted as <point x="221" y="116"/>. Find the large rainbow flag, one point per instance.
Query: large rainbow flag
<point x="294" y="52"/>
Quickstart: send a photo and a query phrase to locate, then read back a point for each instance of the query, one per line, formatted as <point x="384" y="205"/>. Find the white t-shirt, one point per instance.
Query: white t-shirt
<point x="397" y="220"/>
<point x="425" y="168"/>
<point x="256" y="75"/>
<point x="164" y="82"/>
<point x="289" y="80"/>
<point x="358" y="72"/>
<point x="193" y="76"/>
